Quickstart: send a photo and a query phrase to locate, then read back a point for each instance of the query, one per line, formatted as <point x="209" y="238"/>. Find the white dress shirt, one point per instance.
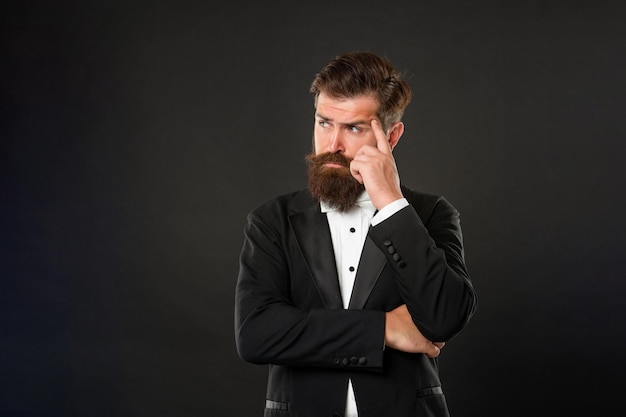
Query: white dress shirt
<point x="348" y="231"/>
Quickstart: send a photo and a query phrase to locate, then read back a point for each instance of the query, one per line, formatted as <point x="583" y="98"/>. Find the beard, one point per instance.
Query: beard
<point x="334" y="186"/>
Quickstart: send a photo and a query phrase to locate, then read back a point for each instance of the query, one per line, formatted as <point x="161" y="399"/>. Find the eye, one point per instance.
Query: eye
<point x="354" y="129"/>
<point x="323" y="123"/>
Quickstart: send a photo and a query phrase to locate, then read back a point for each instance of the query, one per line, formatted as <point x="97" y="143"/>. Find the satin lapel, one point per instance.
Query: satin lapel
<point x="311" y="230"/>
<point x="370" y="266"/>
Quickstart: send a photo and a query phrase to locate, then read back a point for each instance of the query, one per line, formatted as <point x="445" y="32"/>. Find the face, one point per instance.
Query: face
<point x="343" y="125"/>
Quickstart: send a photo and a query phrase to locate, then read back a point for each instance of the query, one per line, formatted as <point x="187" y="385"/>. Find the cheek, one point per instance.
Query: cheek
<point x="352" y="147"/>
<point x="371" y="141"/>
<point x="320" y="143"/>
<point x="316" y="146"/>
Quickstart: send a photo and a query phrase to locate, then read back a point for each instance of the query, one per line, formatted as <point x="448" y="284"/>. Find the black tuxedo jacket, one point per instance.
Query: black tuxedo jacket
<point x="289" y="314"/>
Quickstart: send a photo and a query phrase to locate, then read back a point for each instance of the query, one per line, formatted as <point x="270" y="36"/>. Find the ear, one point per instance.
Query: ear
<point x="396" y="131"/>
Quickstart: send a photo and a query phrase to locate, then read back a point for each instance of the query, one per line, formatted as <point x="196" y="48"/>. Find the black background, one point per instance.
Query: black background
<point x="137" y="135"/>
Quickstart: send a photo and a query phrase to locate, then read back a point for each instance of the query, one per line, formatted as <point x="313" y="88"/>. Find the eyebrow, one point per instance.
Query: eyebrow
<point x="354" y="123"/>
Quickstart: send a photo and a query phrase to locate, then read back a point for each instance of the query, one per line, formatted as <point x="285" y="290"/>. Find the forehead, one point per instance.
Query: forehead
<point x="346" y="109"/>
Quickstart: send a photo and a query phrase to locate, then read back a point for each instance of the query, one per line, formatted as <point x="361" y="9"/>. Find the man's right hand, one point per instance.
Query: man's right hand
<point x="401" y="333"/>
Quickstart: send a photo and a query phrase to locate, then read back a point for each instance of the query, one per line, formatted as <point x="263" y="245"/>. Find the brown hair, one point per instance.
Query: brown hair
<point x="355" y="74"/>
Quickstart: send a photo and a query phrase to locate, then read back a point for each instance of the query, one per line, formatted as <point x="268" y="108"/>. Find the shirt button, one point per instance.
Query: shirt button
<point x="351" y="269"/>
<point x="352" y="230"/>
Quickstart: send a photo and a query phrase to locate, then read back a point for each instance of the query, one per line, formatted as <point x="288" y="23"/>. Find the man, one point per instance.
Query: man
<point x="349" y="289"/>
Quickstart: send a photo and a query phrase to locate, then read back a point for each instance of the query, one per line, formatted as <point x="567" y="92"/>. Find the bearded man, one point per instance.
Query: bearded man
<point x="349" y="290"/>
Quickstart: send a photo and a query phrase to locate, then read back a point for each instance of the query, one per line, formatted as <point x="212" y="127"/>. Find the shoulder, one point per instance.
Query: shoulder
<point x="283" y="205"/>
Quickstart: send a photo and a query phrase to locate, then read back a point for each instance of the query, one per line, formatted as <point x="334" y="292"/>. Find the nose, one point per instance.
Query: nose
<point x="335" y="143"/>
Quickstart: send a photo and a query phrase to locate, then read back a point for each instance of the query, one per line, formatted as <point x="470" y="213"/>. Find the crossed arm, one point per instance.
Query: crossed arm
<point x="401" y="333"/>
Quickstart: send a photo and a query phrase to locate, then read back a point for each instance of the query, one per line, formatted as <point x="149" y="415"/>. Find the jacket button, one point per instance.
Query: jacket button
<point x="387" y="243"/>
<point x="345" y="361"/>
<point x="362" y="361"/>
<point x="402" y="264"/>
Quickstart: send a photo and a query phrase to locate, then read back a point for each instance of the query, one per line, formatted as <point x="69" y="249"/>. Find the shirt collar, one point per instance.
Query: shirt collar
<point x="363" y="202"/>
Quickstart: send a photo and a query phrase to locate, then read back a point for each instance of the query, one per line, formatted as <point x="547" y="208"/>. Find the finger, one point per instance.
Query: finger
<point x="382" y="143"/>
<point x="434" y="352"/>
<point x="354" y="170"/>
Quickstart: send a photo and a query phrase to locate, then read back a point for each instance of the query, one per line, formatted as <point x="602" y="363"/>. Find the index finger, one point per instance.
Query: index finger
<point x="382" y="143"/>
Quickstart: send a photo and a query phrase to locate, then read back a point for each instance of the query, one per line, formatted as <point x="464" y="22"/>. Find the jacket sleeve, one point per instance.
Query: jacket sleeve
<point x="271" y="328"/>
<point x="424" y="245"/>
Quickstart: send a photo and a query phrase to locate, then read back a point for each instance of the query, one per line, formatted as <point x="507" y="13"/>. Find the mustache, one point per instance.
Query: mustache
<point x="328" y="157"/>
